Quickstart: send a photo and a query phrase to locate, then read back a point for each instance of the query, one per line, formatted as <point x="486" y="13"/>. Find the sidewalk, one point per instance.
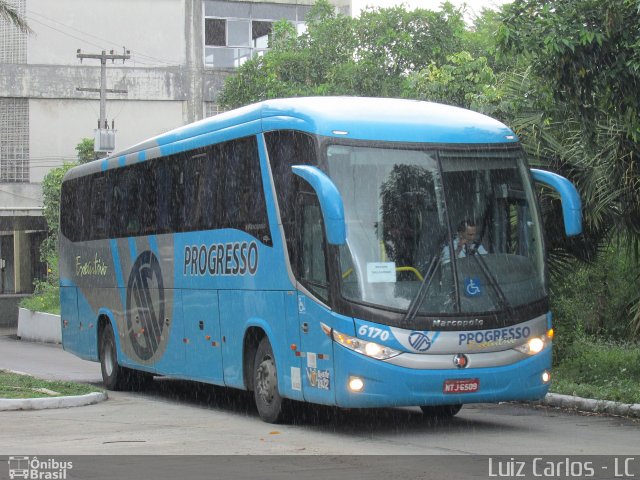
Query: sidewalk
<point x="45" y="360"/>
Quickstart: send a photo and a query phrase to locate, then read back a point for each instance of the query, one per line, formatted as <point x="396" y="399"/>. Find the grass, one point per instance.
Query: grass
<point x="600" y="370"/>
<point x="13" y="385"/>
<point x="45" y="300"/>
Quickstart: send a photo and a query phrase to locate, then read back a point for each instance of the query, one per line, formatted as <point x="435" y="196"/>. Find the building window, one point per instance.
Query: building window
<point x="215" y="32"/>
<point x="14" y="140"/>
<point x="234" y="32"/>
<point x="260" y="32"/>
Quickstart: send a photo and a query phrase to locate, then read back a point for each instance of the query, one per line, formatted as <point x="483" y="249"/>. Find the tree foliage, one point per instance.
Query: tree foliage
<point x="85" y="149"/>
<point x="338" y="55"/>
<point x="584" y="63"/>
<point x="585" y="56"/>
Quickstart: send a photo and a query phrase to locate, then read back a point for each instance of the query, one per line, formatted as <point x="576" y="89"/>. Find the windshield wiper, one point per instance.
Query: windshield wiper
<point x="503" y="303"/>
<point x="414" y="306"/>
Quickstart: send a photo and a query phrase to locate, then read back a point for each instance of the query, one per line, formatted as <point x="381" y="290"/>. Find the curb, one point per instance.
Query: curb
<point x="591" y="405"/>
<point x="53" y="402"/>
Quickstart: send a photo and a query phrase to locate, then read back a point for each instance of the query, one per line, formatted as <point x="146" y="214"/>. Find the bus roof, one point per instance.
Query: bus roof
<point x="361" y="118"/>
<point x="385" y="119"/>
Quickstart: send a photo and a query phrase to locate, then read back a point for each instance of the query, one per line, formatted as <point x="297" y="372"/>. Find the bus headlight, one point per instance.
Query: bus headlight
<point x="536" y="344"/>
<point x="370" y="349"/>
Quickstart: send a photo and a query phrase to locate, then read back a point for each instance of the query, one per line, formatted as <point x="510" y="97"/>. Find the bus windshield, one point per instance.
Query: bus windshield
<point x="438" y="231"/>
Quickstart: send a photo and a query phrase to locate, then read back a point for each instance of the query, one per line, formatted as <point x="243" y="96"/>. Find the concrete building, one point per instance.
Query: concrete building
<point x="179" y="53"/>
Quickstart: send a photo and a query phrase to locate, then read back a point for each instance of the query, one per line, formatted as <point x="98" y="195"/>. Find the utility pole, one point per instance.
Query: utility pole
<point x="105" y="139"/>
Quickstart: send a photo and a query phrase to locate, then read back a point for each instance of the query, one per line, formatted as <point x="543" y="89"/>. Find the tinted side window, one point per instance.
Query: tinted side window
<point x="219" y="186"/>
<point x="241" y="191"/>
<point x="288" y="148"/>
<point x="99" y="220"/>
<point x="195" y="187"/>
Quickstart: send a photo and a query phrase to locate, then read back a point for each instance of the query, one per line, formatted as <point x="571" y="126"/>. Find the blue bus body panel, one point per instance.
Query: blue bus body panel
<point x="87" y="333"/>
<point x="518" y="381"/>
<point x="242" y="309"/>
<point x="69" y="318"/>
<point x="203" y="338"/>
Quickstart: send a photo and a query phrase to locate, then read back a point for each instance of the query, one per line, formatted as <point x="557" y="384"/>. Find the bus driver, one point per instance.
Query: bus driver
<point x="465" y="242"/>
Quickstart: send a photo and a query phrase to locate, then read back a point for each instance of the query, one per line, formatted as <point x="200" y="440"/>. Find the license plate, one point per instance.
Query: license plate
<point x="467" y="385"/>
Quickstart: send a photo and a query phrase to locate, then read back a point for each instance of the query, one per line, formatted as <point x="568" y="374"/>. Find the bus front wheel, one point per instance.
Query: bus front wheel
<point x="441" y="411"/>
<point x="265" y="384"/>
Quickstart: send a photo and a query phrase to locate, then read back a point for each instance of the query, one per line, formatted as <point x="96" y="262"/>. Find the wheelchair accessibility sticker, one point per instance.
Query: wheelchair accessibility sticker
<point x="472" y="287"/>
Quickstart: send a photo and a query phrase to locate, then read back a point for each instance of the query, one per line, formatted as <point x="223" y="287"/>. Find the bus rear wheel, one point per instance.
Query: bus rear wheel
<point x="265" y="384"/>
<point x="441" y="411"/>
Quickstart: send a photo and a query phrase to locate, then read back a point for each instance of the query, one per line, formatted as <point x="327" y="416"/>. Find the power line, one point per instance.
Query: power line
<point x="111" y="42"/>
<point x="64" y="33"/>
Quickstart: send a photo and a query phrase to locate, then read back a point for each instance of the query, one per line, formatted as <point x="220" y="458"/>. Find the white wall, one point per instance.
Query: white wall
<point x="57" y="126"/>
<point x="149" y="28"/>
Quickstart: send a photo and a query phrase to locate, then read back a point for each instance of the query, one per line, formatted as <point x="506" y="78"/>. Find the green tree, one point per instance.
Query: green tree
<point x="338" y="55"/>
<point x="86" y="151"/>
<point x="462" y="81"/>
<point x="51" y="210"/>
<point x="584" y="65"/>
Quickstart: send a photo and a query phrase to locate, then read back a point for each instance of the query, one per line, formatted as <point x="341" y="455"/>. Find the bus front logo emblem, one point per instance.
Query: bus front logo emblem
<point x="461" y="360"/>
<point x="419" y="341"/>
<point x="145" y="305"/>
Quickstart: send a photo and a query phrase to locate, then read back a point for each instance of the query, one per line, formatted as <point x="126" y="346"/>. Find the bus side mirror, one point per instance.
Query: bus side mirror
<point x="571" y="204"/>
<point x="330" y="202"/>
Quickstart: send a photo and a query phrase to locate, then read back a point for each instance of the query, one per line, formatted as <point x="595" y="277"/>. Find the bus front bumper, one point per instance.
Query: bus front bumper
<point x="387" y="385"/>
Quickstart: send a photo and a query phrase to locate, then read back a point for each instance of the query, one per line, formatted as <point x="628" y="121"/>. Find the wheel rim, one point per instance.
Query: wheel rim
<point x="266" y="380"/>
<point x="108" y="360"/>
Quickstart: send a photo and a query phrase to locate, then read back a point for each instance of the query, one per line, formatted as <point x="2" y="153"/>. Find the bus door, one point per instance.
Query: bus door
<point x="317" y="363"/>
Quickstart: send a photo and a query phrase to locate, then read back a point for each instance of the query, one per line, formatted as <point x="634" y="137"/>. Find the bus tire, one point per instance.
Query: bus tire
<point x="114" y="376"/>
<point x="441" y="411"/>
<point x="265" y="384"/>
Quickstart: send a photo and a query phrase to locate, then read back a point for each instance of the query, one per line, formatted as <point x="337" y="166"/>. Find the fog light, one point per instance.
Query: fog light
<point x="356" y="384"/>
<point x="546" y="377"/>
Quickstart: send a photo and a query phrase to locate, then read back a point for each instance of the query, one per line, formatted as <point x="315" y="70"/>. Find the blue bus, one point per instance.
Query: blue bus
<point x="356" y="252"/>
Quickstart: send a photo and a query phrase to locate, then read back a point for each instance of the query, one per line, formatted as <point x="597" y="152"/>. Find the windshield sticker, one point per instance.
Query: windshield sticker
<point x="472" y="287"/>
<point x="381" y="272"/>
